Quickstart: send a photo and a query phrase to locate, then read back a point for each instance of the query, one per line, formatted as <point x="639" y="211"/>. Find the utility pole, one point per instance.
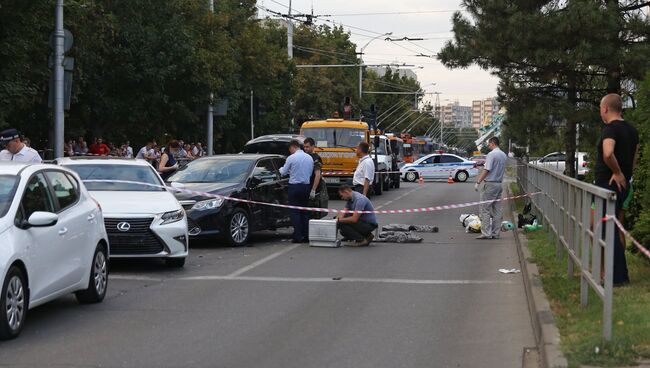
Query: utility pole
<point x="438" y="115"/>
<point x="361" y="61"/>
<point x="210" y="113"/>
<point x="252" y="117"/>
<point x="289" y="34"/>
<point x="59" y="116"/>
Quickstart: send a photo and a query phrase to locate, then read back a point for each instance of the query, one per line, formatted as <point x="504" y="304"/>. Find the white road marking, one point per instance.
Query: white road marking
<point x="133" y="277"/>
<point x="320" y="280"/>
<point x="263" y="260"/>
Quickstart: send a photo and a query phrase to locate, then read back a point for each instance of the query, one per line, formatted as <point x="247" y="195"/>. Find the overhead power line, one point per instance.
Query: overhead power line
<point x="391" y="13"/>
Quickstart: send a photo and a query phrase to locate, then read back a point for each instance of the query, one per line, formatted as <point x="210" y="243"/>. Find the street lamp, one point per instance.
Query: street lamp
<point x="361" y="61"/>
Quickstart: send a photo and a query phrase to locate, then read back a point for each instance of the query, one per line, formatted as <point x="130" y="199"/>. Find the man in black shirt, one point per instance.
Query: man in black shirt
<point x="617" y="153"/>
<point x="318" y="186"/>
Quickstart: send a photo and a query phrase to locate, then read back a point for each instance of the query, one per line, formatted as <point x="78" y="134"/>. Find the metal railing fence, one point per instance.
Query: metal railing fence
<point x="572" y="211"/>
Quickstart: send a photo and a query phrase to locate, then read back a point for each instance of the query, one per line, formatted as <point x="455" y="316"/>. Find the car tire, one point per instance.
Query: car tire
<point x="386" y="182"/>
<point x="411" y="176"/>
<point x="98" y="282"/>
<point x="238" y="231"/>
<point x="462" y="176"/>
<point x="397" y="181"/>
<point x="14" y="291"/>
<point x="378" y="186"/>
<point x="175" y="262"/>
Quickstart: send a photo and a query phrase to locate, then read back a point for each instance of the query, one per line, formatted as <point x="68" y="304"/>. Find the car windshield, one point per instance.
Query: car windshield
<point x="107" y="172"/>
<point x="8" y="184"/>
<point x="222" y="170"/>
<point x="335" y="137"/>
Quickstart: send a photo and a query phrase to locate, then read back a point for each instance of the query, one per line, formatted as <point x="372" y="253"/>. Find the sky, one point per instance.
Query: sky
<point x="430" y="20"/>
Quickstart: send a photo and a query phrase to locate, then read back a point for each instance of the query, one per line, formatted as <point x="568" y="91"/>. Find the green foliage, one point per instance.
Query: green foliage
<point x="555" y="60"/>
<point x="639" y="213"/>
<point x="581" y="328"/>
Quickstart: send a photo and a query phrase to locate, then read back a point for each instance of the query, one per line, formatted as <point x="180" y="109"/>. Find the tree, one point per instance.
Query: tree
<point x="566" y="53"/>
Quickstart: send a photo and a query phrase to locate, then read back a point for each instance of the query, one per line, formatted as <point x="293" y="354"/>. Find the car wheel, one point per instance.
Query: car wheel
<point x="98" y="282"/>
<point x="14" y="302"/>
<point x="239" y="228"/>
<point x="175" y="262"/>
<point x="462" y="176"/>
<point x="386" y="180"/>
<point x="411" y="176"/>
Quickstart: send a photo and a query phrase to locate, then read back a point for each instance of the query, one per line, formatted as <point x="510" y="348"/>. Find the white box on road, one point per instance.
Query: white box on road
<point x="322" y="233"/>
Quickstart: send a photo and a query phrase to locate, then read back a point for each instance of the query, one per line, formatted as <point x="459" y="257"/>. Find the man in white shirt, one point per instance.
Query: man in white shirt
<point x="364" y="175"/>
<point x="129" y="150"/>
<point x="492" y="176"/>
<point x="15" y="149"/>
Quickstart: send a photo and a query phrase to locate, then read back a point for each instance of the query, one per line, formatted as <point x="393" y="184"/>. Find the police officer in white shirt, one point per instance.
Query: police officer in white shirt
<point x="364" y="175"/>
<point x="15" y="149"/>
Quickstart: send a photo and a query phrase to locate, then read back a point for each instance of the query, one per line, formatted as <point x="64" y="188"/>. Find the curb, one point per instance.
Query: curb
<point x="547" y="335"/>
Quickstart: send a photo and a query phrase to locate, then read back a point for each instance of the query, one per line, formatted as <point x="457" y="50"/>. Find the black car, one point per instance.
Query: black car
<point x="274" y="144"/>
<point x="254" y="177"/>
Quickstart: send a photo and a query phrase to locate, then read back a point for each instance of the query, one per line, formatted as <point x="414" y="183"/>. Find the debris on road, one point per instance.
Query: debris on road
<point x="512" y="270"/>
<point x="471" y="223"/>
<point x="406" y="228"/>
<point x="397" y="237"/>
<point x="507" y="226"/>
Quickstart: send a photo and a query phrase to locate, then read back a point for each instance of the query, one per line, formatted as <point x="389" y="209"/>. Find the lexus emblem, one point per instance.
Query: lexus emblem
<point x="123" y="226"/>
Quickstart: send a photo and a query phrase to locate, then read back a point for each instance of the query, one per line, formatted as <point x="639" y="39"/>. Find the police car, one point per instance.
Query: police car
<point x="439" y="166"/>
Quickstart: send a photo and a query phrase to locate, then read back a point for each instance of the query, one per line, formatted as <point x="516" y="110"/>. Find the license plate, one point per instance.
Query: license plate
<point x="332" y="180"/>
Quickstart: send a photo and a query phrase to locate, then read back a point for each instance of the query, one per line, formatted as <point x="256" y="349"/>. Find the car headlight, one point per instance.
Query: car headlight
<point x="172" y="216"/>
<point x="208" y="205"/>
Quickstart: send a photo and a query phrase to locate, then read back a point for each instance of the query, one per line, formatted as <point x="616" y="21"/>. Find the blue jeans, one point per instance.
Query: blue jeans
<point x="299" y="196"/>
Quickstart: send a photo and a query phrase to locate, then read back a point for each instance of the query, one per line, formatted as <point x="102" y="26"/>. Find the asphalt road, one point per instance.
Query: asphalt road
<point x="440" y="303"/>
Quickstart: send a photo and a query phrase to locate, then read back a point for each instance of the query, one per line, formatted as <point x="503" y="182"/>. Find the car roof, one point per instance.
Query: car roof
<point x="101" y="160"/>
<point x="16" y="168"/>
<point x="239" y="156"/>
<point x="277" y="138"/>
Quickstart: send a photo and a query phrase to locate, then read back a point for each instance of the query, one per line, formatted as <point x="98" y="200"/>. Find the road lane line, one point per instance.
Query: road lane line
<point x="263" y="260"/>
<point x="320" y="280"/>
<point x="133" y="277"/>
<point x="398" y="198"/>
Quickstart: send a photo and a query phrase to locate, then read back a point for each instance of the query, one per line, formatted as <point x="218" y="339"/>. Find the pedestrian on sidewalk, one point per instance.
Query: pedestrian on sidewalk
<point x="356" y="226"/>
<point x="364" y="174"/>
<point x="299" y="167"/>
<point x="492" y="175"/>
<point x="617" y="152"/>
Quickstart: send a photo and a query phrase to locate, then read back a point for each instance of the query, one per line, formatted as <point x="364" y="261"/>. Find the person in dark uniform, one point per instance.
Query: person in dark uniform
<point x="318" y="186"/>
<point x="168" y="164"/>
<point x="617" y="152"/>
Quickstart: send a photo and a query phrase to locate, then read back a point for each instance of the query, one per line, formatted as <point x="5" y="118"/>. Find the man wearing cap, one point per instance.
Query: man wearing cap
<point x="15" y="149"/>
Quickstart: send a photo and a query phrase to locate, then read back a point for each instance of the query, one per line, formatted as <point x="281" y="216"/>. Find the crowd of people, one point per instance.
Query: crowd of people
<point x="154" y="152"/>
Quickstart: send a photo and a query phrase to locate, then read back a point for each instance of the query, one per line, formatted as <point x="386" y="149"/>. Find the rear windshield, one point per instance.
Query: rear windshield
<point x="268" y="147"/>
<point x="109" y="173"/>
<point x="8" y="185"/>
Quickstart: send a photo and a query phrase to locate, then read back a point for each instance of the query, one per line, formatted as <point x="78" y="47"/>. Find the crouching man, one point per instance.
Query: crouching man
<point x="357" y="227"/>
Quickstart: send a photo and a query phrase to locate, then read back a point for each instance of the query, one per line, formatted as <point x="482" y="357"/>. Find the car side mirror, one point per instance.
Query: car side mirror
<point x="42" y="219"/>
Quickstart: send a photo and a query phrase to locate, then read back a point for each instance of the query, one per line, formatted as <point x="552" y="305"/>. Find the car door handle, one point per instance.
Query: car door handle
<point x="90" y="217"/>
<point x="63" y="231"/>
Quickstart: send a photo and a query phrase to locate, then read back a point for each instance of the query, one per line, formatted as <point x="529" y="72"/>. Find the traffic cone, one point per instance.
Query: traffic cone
<point x="450" y="180"/>
<point x="420" y="180"/>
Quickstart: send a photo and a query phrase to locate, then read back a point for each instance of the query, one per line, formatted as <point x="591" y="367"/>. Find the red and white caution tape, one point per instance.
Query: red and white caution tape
<point x="333" y="173"/>
<point x="316" y="209"/>
<point x="618" y="224"/>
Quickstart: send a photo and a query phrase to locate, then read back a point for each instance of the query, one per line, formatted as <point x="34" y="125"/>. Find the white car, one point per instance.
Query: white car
<point x="53" y="241"/>
<point x="142" y="221"/>
<point x="440" y="166"/>
<point x="556" y="161"/>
